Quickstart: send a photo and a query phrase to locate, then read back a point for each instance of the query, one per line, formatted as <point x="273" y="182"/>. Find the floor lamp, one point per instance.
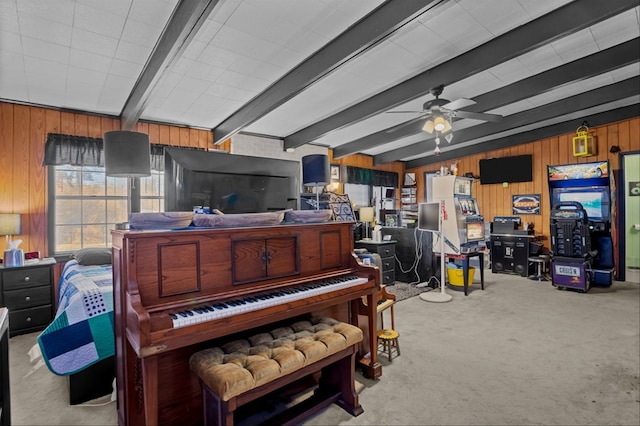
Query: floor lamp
<point x="315" y="172"/>
<point x="127" y="154"/>
<point x="441" y="296"/>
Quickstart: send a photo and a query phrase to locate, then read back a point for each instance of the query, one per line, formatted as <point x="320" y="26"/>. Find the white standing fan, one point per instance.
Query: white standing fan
<point x="441" y="296"/>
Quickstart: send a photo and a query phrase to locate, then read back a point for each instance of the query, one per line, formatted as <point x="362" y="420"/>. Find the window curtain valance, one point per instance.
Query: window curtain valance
<point x="85" y="151"/>
<point x="362" y="176"/>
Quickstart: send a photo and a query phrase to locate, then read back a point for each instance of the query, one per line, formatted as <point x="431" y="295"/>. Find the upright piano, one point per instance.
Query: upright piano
<point x="177" y="292"/>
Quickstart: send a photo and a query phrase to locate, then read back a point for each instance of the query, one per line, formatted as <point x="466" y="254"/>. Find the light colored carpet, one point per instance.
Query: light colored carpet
<point x="520" y="352"/>
<point x="39" y="397"/>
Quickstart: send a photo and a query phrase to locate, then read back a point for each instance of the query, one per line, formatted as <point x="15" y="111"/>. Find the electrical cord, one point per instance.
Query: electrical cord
<point x="416" y="260"/>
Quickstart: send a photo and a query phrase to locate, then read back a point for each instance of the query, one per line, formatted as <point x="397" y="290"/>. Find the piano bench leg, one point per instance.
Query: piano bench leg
<point x="216" y="411"/>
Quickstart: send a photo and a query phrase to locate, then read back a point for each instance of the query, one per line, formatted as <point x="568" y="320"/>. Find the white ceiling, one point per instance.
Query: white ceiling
<point x="160" y="60"/>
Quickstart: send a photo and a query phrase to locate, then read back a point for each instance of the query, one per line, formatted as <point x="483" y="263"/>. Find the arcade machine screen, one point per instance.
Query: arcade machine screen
<point x="462" y="187"/>
<point x="595" y="201"/>
<point x="468" y="206"/>
<point x="475" y="231"/>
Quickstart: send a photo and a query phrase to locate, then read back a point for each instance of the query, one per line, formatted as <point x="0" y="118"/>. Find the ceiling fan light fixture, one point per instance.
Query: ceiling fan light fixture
<point x="428" y="126"/>
<point x="447" y="126"/>
<point x="436" y="151"/>
<point x="440" y="123"/>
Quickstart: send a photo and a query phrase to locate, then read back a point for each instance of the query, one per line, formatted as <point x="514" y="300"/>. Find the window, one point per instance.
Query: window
<point x="358" y="194"/>
<point x="85" y="205"/>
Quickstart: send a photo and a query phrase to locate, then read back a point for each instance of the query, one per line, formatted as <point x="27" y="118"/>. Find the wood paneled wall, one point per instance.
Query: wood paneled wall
<point x="23" y="179"/>
<point x="496" y="200"/>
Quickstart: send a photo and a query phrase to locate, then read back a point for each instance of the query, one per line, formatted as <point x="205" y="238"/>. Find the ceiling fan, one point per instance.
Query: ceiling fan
<point x="441" y="111"/>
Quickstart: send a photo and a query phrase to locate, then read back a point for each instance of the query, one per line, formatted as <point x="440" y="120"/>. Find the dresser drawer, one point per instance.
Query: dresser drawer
<point x="387" y="250"/>
<point x="27" y="297"/>
<point x="27" y="319"/>
<point x="19" y="278"/>
<point x="389" y="277"/>
<point x="388" y="263"/>
<point x="383" y="249"/>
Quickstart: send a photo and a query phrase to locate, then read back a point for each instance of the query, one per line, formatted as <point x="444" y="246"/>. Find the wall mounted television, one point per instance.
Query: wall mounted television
<point x="517" y="168"/>
<point x="230" y="183"/>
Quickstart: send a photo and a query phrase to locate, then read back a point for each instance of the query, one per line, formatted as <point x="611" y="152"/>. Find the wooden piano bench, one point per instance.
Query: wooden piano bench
<point x="243" y="370"/>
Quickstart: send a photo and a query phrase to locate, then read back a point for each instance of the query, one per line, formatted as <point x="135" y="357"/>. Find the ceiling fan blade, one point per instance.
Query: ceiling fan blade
<point x="406" y="112"/>
<point x="459" y="103"/>
<point x="494" y="118"/>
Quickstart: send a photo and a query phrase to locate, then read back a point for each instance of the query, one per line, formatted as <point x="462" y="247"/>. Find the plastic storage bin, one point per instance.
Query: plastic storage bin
<point x="456" y="276"/>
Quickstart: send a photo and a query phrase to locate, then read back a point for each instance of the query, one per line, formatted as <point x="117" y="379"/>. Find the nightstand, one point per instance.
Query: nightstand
<point x="387" y="252"/>
<point x="27" y="291"/>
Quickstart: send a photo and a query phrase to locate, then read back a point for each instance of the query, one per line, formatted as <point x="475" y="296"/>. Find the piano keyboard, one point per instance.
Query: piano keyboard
<point x="253" y="303"/>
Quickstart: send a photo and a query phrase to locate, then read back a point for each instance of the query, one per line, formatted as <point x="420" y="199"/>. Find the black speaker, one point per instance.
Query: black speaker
<point x="510" y="254"/>
<point x="521" y="257"/>
<point x="497" y="255"/>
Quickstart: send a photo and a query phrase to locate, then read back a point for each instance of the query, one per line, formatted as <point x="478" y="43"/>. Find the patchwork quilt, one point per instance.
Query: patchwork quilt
<point x="81" y="333"/>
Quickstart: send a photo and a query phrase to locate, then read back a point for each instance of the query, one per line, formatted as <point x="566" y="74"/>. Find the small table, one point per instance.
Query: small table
<point x="541" y="267"/>
<point x="465" y="266"/>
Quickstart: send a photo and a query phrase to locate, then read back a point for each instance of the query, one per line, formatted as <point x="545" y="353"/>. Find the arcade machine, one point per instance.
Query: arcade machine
<point x="462" y="226"/>
<point x="581" y="243"/>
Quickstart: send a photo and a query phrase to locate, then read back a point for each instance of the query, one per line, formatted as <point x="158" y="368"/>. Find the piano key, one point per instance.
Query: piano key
<point x="260" y="301"/>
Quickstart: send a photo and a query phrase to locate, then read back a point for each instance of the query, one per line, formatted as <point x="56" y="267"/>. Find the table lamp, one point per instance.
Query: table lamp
<point x="315" y="172"/>
<point x="366" y="216"/>
<point x="127" y="154"/>
<point x="11" y="224"/>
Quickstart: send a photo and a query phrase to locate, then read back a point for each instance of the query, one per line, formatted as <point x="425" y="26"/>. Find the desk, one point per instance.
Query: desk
<point x="465" y="266"/>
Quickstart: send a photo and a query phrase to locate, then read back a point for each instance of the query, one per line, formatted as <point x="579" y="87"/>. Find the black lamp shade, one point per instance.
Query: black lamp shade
<point x="315" y="170"/>
<point x="127" y="154"/>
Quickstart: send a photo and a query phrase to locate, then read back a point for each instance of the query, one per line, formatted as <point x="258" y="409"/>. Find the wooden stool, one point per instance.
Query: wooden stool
<point x="387" y="341"/>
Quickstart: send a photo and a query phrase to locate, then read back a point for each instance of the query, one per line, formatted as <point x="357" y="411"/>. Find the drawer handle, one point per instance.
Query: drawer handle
<point x="28" y="298"/>
<point x="28" y="319"/>
<point x="386" y="252"/>
<point x="26" y="278"/>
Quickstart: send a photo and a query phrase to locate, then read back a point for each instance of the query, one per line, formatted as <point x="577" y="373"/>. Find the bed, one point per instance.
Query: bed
<point x="80" y="342"/>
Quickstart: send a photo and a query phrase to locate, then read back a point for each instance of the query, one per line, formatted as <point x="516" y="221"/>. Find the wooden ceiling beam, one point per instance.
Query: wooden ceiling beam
<point x="563" y="21"/>
<point x="369" y="31"/>
<point x="185" y="21"/>
<point x="466" y="144"/>
<point x="595" y="64"/>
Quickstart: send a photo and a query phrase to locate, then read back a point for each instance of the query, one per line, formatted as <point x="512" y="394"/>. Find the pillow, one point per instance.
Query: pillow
<point x="93" y="256"/>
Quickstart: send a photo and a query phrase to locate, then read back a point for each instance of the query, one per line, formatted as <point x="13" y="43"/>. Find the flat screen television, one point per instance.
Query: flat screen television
<point x="429" y="216"/>
<point x="230" y="183"/>
<point x="595" y="201"/>
<point x="517" y="168"/>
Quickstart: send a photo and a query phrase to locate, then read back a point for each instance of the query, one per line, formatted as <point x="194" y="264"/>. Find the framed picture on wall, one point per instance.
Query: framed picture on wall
<point x="526" y="204"/>
<point x="335" y="173"/>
